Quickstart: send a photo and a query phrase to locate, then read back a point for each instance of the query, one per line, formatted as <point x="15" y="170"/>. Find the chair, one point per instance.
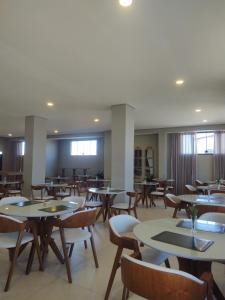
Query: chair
<point x="126" y="206"/>
<point x="121" y="235"/>
<point x="3" y="192"/>
<point x="213" y="217"/>
<point x="62" y="193"/>
<point x="157" y="195"/>
<point x="91" y="201"/>
<point x="42" y="193"/>
<point x="12" y="237"/>
<point x="199" y="182"/>
<point x="17" y="191"/>
<point x="203" y="209"/>
<point x="174" y="202"/>
<point x="70" y="232"/>
<point x="155" y="282"/>
<point x="190" y="189"/>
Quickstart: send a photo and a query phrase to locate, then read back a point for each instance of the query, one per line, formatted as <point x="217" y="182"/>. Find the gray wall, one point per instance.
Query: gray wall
<point x="95" y="163"/>
<point x="52" y="158"/>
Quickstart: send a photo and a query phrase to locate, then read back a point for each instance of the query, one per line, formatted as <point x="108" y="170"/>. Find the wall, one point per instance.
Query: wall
<point x="52" y="158"/>
<point x="95" y="163"/>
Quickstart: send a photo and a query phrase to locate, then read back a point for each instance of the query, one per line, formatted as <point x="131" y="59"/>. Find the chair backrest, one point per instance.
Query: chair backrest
<point x="202" y="209"/>
<point x="156" y="282"/>
<point x="9" y="224"/>
<point x="41" y="188"/>
<point x="214" y="217"/>
<point x="190" y="188"/>
<point x="79" y="219"/>
<point x="199" y="182"/>
<point x="11" y="200"/>
<point x="172" y="200"/>
<point x="133" y="198"/>
<point x="121" y="225"/>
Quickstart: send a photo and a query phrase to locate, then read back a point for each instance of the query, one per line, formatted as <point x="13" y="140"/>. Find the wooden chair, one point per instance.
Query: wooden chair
<point x="190" y="189"/>
<point x="203" y="209"/>
<point x="40" y="192"/>
<point x="121" y="235"/>
<point x="174" y="202"/>
<point x="3" y="192"/>
<point x="12" y="237"/>
<point x="126" y="206"/>
<point x="158" y="194"/>
<point x="63" y="192"/>
<point x="17" y="191"/>
<point x="70" y="231"/>
<point x="155" y="282"/>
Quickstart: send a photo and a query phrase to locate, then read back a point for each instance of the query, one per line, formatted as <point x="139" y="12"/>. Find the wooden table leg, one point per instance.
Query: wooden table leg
<point x="197" y="268"/>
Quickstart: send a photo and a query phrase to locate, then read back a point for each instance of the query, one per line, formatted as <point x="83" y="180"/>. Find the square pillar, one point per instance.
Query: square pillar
<point x="35" y="152"/>
<point x="122" y="168"/>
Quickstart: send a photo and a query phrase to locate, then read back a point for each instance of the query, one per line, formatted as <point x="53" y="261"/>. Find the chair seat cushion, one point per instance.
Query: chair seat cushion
<point x="120" y="205"/>
<point x="153" y="256"/>
<point x="44" y="198"/>
<point x="63" y="194"/>
<point x="159" y="189"/>
<point x="157" y="193"/>
<point x="72" y="235"/>
<point x="14" y="191"/>
<point x="93" y="204"/>
<point x="8" y="240"/>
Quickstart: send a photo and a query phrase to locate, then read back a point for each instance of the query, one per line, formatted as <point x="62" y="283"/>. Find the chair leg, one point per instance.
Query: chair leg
<point x="93" y="248"/>
<point x="65" y="254"/>
<point x="135" y="213"/>
<point x="71" y="250"/>
<point x="30" y="259"/>
<point x="85" y="244"/>
<point x="13" y="262"/>
<point x="175" y="212"/>
<point x="116" y="265"/>
<point x="167" y="263"/>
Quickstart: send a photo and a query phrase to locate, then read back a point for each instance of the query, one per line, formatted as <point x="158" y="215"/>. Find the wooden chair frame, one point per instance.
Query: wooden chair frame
<point x="130" y="208"/>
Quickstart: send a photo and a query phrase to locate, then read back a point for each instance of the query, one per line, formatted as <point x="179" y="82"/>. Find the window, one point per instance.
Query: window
<point x="198" y="143"/>
<point x="21" y="149"/>
<point x="205" y="143"/>
<point x="84" y="147"/>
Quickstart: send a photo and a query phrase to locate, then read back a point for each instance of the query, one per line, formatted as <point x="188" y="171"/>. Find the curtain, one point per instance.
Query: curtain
<point x="219" y="155"/>
<point x="183" y="160"/>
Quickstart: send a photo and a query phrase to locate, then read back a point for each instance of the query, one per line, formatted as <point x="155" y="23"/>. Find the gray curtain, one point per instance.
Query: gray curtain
<point x="183" y="160"/>
<point x="219" y="155"/>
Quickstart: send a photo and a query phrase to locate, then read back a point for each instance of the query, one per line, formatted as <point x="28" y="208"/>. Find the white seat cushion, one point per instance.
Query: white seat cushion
<point x="93" y="204"/>
<point x="157" y="193"/>
<point x="120" y="205"/>
<point x="153" y="256"/>
<point x="14" y="191"/>
<point x="63" y="194"/>
<point x="8" y="240"/>
<point x="44" y="198"/>
<point x="72" y="235"/>
<point x="160" y="189"/>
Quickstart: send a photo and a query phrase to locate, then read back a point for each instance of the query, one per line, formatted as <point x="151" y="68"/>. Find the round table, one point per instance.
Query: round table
<point x="191" y="261"/>
<point x="107" y="195"/>
<point x="203" y="199"/>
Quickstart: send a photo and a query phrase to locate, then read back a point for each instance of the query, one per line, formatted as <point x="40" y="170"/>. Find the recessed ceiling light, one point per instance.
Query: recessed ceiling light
<point x="198" y="110"/>
<point x="204" y="121"/>
<point x="10" y="134"/>
<point x="56" y="131"/>
<point x="125" y="3"/>
<point x="96" y="120"/>
<point x="50" y="104"/>
<point x="179" y="82"/>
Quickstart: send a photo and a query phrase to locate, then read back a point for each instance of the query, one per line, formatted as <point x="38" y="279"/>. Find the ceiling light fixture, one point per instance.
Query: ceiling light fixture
<point x="204" y="121"/>
<point x="10" y="134"/>
<point x="50" y="104"/>
<point x="125" y="3"/>
<point x="179" y="82"/>
<point x="198" y="110"/>
<point x="96" y="120"/>
<point x="56" y="131"/>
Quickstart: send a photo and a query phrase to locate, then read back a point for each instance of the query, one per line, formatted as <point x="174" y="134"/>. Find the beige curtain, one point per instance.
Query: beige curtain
<point x="183" y="160"/>
<point x="219" y="155"/>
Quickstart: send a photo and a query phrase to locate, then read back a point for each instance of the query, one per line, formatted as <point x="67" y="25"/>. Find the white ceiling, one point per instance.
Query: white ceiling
<point x="86" y="55"/>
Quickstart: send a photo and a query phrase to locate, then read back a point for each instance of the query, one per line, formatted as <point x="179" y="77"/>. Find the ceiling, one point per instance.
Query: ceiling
<point x="86" y="55"/>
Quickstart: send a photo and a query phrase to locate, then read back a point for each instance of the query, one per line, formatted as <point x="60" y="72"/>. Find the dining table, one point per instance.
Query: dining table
<point x="195" y="252"/>
<point x="39" y="212"/>
<point x="193" y="199"/>
<point x="107" y="196"/>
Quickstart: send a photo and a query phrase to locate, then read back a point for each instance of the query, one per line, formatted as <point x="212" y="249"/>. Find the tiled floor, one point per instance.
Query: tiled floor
<point x="88" y="282"/>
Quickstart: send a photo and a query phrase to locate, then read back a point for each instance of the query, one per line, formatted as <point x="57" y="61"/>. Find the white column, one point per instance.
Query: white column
<point x="162" y="142"/>
<point x="35" y="152"/>
<point x="122" y="168"/>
